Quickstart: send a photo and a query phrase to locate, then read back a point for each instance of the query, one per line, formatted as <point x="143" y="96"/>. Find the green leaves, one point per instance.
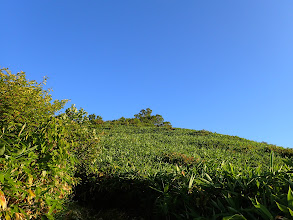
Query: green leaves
<point x="191" y="182"/>
<point x="283" y="208"/>
<point x="22" y="128"/>
<point x="235" y="217"/>
<point x="80" y="116"/>
<point x="289" y="208"/>
<point x="272" y="162"/>
<point x="290" y="198"/>
<point x="29" y="177"/>
<point x="263" y="211"/>
<point x="2" y="149"/>
<point x="2" y="178"/>
<point x="24" y="101"/>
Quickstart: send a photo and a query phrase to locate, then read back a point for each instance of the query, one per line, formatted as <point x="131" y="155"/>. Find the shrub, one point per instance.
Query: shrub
<point x="37" y="169"/>
<point x="23" y="101"/>
<point x="37" y="150"/>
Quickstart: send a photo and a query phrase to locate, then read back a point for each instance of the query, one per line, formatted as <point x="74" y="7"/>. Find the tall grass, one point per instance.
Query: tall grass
<point x="187" y="174"/>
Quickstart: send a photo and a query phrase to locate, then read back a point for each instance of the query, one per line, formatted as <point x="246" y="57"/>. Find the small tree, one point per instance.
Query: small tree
<point x="158" y="120"/>
<point x="146" y="118"/>
<point x="144" y="113"/>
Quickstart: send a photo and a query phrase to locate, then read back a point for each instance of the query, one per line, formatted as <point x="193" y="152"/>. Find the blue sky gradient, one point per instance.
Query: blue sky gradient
<point x="223" y="66"/>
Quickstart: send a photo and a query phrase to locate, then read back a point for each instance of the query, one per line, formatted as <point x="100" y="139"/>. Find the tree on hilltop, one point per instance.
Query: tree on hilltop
<point x="145" y="117"/>
<point x="144" y="113"/>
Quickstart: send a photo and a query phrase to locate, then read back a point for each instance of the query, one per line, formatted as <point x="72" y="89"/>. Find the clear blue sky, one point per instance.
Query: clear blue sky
<point x="224" y="66"/>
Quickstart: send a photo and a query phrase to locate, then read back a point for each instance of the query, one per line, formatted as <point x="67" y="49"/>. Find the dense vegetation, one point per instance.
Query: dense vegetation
<point x="66" y="165"/>
<point x="38" y="151"/>
<point x="187" y="174"/>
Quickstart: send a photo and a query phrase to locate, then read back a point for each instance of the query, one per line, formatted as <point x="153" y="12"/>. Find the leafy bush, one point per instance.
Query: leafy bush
<point x="38" y="151"/>
<point x="23" y="101"/>
<point x="37" y="169"/>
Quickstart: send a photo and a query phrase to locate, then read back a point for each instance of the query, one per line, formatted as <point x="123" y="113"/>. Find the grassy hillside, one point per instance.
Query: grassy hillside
<point x="163" y="173"/>
<point x="74" y="166"/>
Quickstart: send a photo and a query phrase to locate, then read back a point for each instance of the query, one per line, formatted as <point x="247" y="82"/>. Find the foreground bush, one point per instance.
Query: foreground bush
<point x="37" y="170"/>
<point x="38" y="150"/>
<point x="36" y="165"/>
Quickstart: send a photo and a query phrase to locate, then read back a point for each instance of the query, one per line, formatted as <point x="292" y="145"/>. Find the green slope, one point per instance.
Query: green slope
<point x="163" y="173"/>
<point x="148" y="150"/>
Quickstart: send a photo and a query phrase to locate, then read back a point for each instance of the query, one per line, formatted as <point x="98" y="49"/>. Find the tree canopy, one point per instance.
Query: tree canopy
<point x="145" y="117"/>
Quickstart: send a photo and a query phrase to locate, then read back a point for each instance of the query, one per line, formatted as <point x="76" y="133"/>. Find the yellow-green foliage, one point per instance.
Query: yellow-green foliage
<point x="38" y="151"/>
<point x="36" y="172"/>
<point x="25" y="101"/>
